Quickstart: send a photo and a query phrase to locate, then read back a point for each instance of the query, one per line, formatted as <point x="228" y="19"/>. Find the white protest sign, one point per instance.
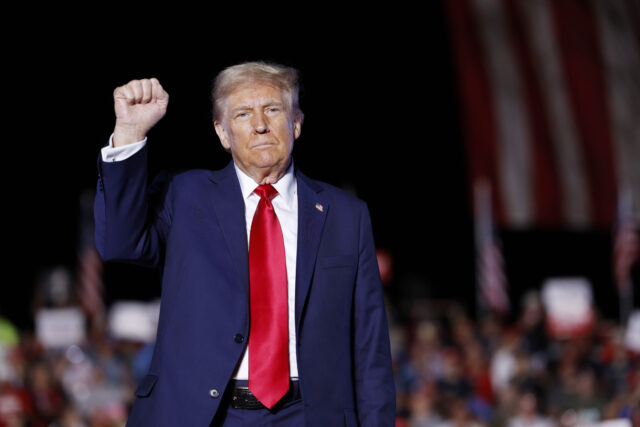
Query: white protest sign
<point x="134" y="320"/>
<point x="60" y="327"/>
<point x="569" y="306"/>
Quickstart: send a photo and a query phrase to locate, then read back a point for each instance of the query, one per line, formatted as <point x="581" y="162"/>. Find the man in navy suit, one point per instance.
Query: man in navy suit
<point x="332" y="357"/>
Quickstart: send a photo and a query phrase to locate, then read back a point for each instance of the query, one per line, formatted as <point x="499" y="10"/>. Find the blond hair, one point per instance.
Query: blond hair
<point x="229" y="79"/>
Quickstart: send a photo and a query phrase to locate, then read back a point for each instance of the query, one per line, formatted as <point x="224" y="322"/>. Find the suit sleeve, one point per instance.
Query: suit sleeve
<point x="375" y="389"/>
<point x="131" y="219"/>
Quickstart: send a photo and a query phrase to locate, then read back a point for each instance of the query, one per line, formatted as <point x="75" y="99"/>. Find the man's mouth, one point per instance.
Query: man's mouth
<point x="263" y="144"/>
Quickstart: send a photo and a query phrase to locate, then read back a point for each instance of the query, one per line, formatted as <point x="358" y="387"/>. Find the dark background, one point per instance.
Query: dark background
<point x="381" y="120"/>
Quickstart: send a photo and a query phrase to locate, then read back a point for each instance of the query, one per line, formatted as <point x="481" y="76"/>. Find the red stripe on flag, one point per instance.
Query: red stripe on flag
<point x="582" y="62"/>
<point x="478" y="112"/>
<point x="546" y="179"/>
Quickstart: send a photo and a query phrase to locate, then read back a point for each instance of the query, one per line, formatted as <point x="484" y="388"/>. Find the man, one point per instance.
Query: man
<point x="272" y="310"/>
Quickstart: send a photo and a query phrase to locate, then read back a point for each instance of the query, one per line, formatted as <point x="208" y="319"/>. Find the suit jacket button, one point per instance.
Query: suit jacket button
<point x="238" y="338"/>
<point x="214" y="393"/>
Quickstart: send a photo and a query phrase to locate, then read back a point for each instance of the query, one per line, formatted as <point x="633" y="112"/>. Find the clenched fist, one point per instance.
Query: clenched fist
<point x="139" y="105"/>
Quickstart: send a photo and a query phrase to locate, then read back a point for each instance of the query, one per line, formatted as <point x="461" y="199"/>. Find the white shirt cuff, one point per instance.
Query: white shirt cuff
<point x="116" y="154"/>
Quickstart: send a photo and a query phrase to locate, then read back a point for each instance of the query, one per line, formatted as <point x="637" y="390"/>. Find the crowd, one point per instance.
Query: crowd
<point x="88" y="383"/>
<point x="453" y="371"/>
<point x="83" y="385"/>
<point x="450" y="370"/>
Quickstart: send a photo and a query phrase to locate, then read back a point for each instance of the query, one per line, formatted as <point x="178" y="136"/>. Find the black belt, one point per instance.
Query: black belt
<point x="242" y="398"/>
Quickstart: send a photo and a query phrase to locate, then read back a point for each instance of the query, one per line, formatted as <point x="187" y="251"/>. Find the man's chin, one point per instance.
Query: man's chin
<point x="270" y="161"/>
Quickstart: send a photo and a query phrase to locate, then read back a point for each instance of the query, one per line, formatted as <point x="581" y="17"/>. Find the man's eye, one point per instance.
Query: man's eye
<point x="241" y="115"/>
<point x="273" y="109"/>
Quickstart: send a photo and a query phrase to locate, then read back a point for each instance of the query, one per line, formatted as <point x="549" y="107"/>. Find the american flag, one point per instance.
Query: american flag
<point x="491" y="279"/>
<point x="90" y="285"/>
<point x="625" y="246"/>
<point x="550" y="96"/>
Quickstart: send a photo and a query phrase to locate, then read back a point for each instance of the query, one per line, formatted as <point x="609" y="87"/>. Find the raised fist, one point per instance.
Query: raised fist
<point x="139" y="105"/>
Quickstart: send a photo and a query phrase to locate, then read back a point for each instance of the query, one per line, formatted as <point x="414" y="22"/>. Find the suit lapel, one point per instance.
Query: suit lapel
<point x="228" y="207"/>
<point x="312" y="211"/>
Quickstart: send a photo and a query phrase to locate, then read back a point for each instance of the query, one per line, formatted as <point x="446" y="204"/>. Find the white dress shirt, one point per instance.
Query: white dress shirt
<point x="285" y="203"/>
<point x="115" y="154"/>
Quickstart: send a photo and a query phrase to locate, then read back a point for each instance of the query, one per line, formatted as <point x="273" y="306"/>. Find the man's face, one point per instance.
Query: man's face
<point x="259" y="129"/>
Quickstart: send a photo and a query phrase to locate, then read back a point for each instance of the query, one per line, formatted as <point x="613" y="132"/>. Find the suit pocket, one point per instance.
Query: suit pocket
<point x="146" y="385"/>
<point x="337" y="261"/>
<point x="350" y="419"/>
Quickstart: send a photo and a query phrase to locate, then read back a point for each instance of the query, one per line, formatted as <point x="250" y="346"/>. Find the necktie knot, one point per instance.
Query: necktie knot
<point x="266" y="191"/>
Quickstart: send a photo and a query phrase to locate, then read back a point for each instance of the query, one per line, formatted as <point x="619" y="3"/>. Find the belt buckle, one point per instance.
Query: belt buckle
<point x="242" y="398"/>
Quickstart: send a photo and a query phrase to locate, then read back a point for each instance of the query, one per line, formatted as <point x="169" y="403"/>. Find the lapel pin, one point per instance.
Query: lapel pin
<point x="319" y="207"/>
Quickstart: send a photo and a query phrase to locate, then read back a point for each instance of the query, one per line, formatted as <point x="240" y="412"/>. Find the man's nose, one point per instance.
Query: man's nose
<point x="260" y="124"/>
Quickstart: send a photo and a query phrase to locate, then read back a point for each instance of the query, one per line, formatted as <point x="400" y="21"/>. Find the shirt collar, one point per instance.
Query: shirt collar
<point x="286" y="185"/>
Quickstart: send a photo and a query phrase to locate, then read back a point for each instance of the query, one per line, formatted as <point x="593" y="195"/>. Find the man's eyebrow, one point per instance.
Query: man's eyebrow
<point x="240" y="108"/>
<point x="268" y="103"/>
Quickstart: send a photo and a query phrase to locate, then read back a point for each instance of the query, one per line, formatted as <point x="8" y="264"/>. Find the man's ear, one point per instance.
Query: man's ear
<point x="297" y="126"/>
<point x="222" y="134"/>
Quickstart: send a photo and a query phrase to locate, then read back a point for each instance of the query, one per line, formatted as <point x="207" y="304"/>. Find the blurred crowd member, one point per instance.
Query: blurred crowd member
<point x="423" y="408"/>
<point x="46" y="393"/>
<point x="70" y="417"/>
<point x="54" y="288"/>
<point x="453" y="384"/>
<point x="458" y="414"/>
<point x="531" y="323"/>
<point x="503" y="361"/>
<point x="16" y="408"/>
<point x="528" y="414"/>
<point x="477" y="369"/>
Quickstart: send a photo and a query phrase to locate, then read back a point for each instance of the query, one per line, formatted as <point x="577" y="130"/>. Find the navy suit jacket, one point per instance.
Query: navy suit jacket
<point x="193" y="227"/>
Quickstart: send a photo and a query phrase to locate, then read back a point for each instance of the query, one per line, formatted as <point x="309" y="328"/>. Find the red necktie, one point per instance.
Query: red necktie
<point x="269" y="331"/>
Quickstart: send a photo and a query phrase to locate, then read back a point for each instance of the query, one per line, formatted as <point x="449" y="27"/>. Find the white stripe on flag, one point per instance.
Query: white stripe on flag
<point x="516" y="175"/>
